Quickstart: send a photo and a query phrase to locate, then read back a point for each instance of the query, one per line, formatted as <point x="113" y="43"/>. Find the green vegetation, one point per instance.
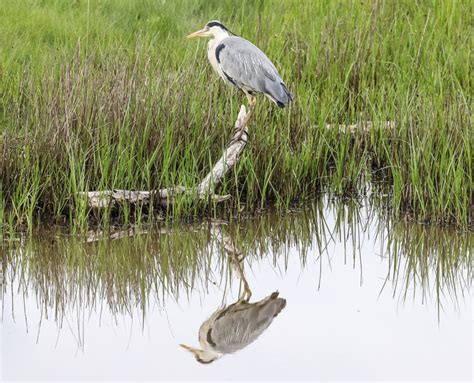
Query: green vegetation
<point x="109" y="94"/>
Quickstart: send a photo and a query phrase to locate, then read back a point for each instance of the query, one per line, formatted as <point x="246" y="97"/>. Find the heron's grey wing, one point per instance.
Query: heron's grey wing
<point x="245" y="63"/>
<point x="249" y="68"/>
<point x="244" y="323"/>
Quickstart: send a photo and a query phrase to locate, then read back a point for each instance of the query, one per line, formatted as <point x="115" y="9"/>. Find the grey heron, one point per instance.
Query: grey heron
<point x="234" y="327"/>
<point x="240" y="63"/>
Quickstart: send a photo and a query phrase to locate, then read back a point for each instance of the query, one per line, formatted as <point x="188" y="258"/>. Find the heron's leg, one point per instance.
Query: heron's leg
<point x="247" y="292"/>
<point x="252" y="102"/>
<point x="238" y="261"/>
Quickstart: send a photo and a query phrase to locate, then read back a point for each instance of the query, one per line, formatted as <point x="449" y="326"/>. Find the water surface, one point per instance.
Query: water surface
<point x="366" y="298"/>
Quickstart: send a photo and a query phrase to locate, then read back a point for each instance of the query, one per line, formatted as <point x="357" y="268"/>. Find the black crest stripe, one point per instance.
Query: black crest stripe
<point x="215" y="24"/>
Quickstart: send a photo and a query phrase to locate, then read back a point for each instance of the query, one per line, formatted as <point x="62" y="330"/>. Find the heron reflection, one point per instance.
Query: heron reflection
<point x="235" y="326"/>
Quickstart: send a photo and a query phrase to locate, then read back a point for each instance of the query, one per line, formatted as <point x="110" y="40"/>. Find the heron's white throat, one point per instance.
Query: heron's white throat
<point x="218" y="34"/>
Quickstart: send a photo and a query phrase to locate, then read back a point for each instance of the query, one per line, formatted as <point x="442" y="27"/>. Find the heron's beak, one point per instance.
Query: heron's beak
<point x="200" y="33"/>
<point x="188" y="348"/>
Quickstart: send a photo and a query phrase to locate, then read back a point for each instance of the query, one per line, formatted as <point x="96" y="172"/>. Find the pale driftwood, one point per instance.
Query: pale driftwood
<point x="229" y="158"/>
<point x="365" y="126"/>
<point x="112" y="235"/>
<point x="205" y="190"/>
<point x="99" y="235"/>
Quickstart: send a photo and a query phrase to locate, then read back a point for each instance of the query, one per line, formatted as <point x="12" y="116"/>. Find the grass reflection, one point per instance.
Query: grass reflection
<point x="426" y="262"/>
<point x="126" y="270"/>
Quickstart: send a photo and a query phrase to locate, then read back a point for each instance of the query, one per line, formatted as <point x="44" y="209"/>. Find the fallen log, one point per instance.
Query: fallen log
<point x="364" y="126"/>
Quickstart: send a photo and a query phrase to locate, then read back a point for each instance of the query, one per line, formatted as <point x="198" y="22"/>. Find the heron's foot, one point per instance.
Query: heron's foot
<point x="241" y="133"/>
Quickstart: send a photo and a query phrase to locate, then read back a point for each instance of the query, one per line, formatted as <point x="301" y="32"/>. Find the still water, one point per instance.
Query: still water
<point x="330" y="292"/>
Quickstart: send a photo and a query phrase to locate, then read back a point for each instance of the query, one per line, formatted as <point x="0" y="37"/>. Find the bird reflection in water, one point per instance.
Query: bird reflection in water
<point x="233" y="327"/>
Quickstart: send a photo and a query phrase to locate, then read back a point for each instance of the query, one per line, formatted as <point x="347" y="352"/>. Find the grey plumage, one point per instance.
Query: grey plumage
<point x="236" y="326"/>
<point x="249" y="69"/>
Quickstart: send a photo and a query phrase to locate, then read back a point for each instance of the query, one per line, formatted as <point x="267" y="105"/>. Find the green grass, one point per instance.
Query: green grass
<point x="109" y="94"/>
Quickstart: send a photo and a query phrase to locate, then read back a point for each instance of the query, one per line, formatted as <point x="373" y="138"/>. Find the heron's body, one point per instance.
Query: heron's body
<point x="236" y="326"/>
<point x="240" y="63"/>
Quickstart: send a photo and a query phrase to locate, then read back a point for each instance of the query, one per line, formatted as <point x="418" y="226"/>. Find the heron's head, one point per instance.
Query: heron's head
<point x="212" y="29"/>
<point x="204" y="357"/>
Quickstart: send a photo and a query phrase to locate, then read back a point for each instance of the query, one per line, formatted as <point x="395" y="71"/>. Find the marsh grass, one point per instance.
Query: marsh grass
<point x="103" y="95"/>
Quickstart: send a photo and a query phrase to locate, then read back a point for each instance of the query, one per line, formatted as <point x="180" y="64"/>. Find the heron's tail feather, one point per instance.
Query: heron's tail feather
<point x="272" y="306"/>
<point x="279" y="93"/>
<point x="288" y="94"/>
<point x="274" y="295"/>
